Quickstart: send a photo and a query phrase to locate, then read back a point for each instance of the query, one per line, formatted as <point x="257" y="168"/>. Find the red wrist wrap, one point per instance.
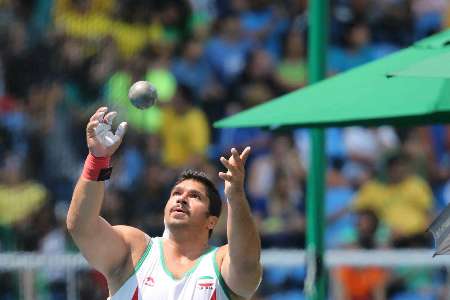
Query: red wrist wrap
<point x="97" y="168"/>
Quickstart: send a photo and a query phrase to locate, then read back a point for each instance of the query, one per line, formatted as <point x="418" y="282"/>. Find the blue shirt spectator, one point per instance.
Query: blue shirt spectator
<point x="227" y="52"/>
<point x="192" y="69"/>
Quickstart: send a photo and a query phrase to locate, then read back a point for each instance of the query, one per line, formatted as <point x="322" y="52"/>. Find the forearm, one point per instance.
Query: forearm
<point x="243" y="237"/>
<point x="85" y="206"/>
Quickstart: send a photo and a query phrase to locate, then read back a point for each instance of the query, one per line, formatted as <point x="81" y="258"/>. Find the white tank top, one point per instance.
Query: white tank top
<point x="152" y="279"/>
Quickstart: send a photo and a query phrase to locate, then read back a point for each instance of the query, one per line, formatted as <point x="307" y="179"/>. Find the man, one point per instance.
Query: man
<point x="402" y="201"/>
<point x="181" y="265"/>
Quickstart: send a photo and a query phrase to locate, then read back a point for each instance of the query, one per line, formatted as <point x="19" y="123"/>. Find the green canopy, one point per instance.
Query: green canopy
<point x="434" y="67"/>
<point x="380" y="92"/>
<point x="397" y="89"/>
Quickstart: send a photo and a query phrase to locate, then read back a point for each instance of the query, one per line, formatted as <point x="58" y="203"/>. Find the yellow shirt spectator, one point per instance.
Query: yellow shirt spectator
<point x="87" y="26"/>
<point x="95" y="23"/>
<point x="99" y="6"/>
<point x="17" y="202"/>
<point x="404" y="206"/>
<point x="131" y="38"/>
<point x="183" y="135"/>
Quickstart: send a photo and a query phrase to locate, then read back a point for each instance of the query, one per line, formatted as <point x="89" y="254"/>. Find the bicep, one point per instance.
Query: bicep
<point x="105" y="247"/>
<point x="242" y="280"/>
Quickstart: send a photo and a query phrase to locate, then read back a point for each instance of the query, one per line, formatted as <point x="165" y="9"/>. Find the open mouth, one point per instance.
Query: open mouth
<point x="179" y="210"/>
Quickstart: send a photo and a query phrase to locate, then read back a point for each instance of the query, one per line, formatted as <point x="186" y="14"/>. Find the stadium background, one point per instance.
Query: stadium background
<point x="61" y="59"/>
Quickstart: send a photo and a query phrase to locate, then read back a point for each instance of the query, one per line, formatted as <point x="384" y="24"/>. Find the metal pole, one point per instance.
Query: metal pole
<point x="71" y="284"/>
<point x="317" y="45"/>
<point x="27" y="280"/>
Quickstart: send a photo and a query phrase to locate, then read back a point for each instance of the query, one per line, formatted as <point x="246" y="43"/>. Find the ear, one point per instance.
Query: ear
<point x="212" y="221"/>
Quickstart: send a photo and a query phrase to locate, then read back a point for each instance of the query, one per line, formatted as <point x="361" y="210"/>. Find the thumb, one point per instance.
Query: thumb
<point x="121" y="129"/>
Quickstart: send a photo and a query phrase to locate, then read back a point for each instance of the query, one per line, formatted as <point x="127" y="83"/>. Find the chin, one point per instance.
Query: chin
<point x="176" y="223"/>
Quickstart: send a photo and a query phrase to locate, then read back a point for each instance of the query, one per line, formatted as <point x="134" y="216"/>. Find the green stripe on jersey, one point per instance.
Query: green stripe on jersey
<point x="143" y="257"/>
<point x="222" y="282"/>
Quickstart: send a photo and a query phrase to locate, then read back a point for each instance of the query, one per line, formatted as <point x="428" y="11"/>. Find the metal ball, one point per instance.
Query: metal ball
<point x="142" y="94"/>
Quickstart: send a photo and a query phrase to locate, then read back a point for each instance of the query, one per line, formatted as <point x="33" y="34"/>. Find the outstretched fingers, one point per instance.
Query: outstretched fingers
<point x="109" y="117"/>
<point x="121" y="129"/>
<point x="90" y="129"/>
<point x="245" y="154"/>
<point x="235" y="155"/>
<point x="226" y="163"/>
<point x="225" y="176"/>
<point x="99" y="112"/>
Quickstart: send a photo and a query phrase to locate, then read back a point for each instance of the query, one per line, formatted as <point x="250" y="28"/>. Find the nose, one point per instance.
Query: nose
<point x="182" y="199"/>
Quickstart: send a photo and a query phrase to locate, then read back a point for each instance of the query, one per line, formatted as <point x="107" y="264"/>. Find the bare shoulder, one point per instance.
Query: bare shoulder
<point x="220" y="256"/>
<point x="137" y="242"/>
<point x="241" y="282"/>
<point x="136" y="239"/>
<point x="130" y="234"/>
<point x="221" y="253"/>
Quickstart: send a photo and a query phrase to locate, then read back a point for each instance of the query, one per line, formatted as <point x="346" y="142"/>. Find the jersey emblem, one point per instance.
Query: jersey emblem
<point x="149" y="281"/>
<point x="205" y="283"/>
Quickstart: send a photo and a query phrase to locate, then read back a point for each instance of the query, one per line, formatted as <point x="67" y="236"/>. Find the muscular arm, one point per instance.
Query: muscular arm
<point x="106" y="248"/>
<point x="109" y="249"/>
<point x="241" y="268"/>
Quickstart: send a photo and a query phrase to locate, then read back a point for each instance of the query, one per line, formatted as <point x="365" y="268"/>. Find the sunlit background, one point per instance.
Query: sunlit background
<point x="62" y="59"/>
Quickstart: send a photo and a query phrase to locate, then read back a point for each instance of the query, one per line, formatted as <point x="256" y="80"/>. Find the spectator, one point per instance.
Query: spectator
<point x="21" y="199"/>
<point x="339" y="194"/>
<point x="403" y="201"/>
<point x="428" y="18"/>
<point x="344" y="13"/>
<point x="17" y="62"/>
<point x="257" y="83"/>
<point x="135" y="27"/>
<point x="393" y="22"/>
<point x="356" y="49"/>
<point x="363" y="147"/>
<point x="192" y="70"/>
<point x="292" y="70"/>
<point x="262" y="172"/>
<point x="226" y="52"/>
<point x="275" y="184"/>
<point x="283" y="225"/>
<point x="361" y="283"/>
<point x="55" y="241"/>
<point x="82" y="19"/>
<point x="180" y="121"/>
<point x="58" y="58"/>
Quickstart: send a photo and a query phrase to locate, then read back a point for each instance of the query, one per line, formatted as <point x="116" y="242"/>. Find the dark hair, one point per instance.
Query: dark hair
<point x="215" y="203"/>
<point x="371" y="215"/>
<point x="187" y="95"/>
<point x="396" y="158"/>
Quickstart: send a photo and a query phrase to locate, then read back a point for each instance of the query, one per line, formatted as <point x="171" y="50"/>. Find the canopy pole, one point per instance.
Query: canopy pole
<point x="317" y="45"/>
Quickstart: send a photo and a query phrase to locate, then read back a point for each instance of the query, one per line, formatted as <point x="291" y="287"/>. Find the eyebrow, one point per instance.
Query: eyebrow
<point x="177" y="188"/>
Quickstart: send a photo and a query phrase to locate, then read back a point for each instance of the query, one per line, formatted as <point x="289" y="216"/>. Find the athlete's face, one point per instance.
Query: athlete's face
<point x="189" y="205"/>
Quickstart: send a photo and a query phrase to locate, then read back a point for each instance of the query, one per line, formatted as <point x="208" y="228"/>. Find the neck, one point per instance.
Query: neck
<point x="186" y="243"/>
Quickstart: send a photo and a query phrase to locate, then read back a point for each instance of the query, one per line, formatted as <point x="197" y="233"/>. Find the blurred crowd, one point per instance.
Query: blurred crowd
<point x="62" y="59"/>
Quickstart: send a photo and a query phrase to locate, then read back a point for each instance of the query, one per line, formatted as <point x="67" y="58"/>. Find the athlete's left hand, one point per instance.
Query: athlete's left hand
<point x="235" y="175"/>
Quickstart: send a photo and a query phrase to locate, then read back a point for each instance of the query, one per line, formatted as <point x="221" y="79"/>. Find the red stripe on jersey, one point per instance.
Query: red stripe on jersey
<point x="135" y="296"/>
<point x="214" y="297"/>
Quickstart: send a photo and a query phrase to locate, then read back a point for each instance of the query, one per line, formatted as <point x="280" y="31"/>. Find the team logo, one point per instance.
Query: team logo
<point x="149" y="281"/>
<point x="205" y="283"/>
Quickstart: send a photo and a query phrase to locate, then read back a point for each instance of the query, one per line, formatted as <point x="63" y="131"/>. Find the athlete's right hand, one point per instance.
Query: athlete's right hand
<point x="101" y="141"/>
